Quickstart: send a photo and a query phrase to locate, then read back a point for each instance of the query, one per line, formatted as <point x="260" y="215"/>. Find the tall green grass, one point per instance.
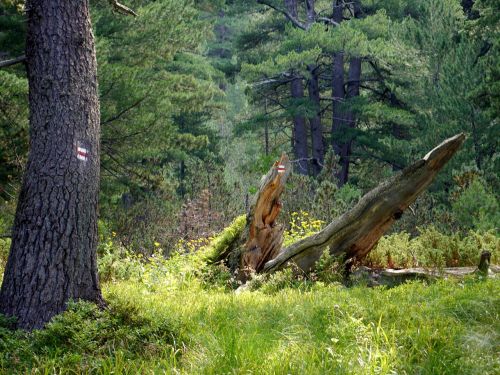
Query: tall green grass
<point x="449" y="327"/>
<point x="182" y="316"/>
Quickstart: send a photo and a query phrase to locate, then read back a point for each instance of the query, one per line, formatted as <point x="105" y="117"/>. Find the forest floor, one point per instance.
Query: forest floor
<point x="180" y="325"/>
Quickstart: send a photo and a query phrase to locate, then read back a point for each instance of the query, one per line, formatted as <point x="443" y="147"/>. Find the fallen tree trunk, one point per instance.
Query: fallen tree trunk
<point x="356" y="232"/>
<point x="257" y="248"/>
<point x="392" y="277"/>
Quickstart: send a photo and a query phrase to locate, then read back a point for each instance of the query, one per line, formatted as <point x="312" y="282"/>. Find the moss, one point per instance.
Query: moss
<point x="224" y="240"/>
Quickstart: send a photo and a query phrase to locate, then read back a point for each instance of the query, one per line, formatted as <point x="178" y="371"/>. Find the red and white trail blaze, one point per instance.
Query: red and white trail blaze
<point x="281" y="168"/>
<point x="82" y="153"/>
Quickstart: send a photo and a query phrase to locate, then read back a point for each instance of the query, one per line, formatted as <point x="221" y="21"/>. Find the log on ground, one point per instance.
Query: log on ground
<point x="356" y="232"/>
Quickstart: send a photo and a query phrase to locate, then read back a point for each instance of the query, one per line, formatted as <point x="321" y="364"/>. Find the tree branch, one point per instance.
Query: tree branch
<point x="327" y="20"/>
<point x="120" y="8"/>
<point x="287" y="14"/>
<point x="17" y="60"/>
<point x="122" y="112"/>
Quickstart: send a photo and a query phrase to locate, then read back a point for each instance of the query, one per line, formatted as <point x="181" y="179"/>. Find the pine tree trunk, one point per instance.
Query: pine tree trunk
<point x="350" y="119"/>
<point x="299" y="131"/>
<point x="53" y="252"/>
<point x="299" y="140"/>
<point x="343" y="121"/>
<point x="318" y="148"/>
<point x="310" y="12"/>
<point x="338" y="115"/>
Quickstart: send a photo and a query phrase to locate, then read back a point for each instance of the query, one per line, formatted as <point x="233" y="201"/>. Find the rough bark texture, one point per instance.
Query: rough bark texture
<point x="355" y="233"/>
<point x="338" y="116"/>
<point x="263" y="236"/>
<point x="299" y="123"/>
<point x="343" y="120"/>
<point x="310" y="12"/>
<point x="318" y="148"/>
<point x="392" y="277"/>
<point x="350" y="120"/>
<point x="53" y="257"/>
<point x="299" y="131"/>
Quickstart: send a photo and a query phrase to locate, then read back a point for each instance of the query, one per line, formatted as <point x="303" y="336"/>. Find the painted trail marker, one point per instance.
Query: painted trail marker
<point x="82" y="153"/>
<point x="281" y="168"/>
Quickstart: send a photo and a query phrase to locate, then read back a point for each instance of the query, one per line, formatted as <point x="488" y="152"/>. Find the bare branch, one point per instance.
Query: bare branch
<point x="287" y="14"/>
<point x="120" y="8"/>
<point x="327" y="20"/>
<point x="17" y="60"/>
<point x="125" y="110"/>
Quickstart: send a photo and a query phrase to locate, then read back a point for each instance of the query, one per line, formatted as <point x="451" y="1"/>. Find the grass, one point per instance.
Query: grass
<point x="448" y="327"/>
<point x="182" y="316"/>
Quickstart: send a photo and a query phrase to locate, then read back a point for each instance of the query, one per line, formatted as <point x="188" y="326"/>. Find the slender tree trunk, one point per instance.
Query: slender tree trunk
<point x="53" y="252"/>
<point x="299" y="123"/>
<point x="291" y="6"/>
<point x="318" y="148"/>
<point x="299" y="131"/>
<point x="352" y="91"/>
<point x="338" y="115"/>
<point x="311" y="12"/>
<point x="343" y="120"/>
<point x="338" y="92"/>
<point x="266" y="133"/>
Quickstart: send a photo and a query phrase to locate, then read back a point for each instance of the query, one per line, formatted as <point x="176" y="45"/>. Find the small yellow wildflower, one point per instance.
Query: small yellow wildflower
<point x="157" y="244"/>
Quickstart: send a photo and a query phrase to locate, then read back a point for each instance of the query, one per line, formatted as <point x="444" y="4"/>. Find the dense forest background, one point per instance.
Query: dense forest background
<point x="198" y="98"/>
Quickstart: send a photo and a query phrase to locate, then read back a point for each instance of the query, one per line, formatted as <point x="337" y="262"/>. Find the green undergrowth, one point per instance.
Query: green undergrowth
<point x="224" y="240"/>
<point x="434" y="249"/>
<point x="182" y="315"/>
<point x="86" y="339"/>
<point x="448" y="327"/>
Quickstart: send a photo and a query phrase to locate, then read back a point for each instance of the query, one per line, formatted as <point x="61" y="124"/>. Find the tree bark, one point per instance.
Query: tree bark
<point x="350" y="120"/>
<point x="351" y="236"/>
<point x="299" y="131"/>
<point x="53" y="253"/>
<point x="318" y="148"/>
<point x="356" y="232"/>
<point x="344" y="120"/>
<point x="299" y="123"/>
<point x="310" y="12"/>
<point x="263" y="235"/>
<point x="338" y="116"/>
<point x="338" y="90"/>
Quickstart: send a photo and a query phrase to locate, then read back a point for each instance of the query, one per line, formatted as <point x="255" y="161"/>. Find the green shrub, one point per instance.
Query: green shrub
<point x="431" y="248"/>
<point x="328" y="269"/>
<point x="477" y="207"/>
<point x="87" y="338"/>
<point x="301" y="226"/>
<point x="117" y="263"/>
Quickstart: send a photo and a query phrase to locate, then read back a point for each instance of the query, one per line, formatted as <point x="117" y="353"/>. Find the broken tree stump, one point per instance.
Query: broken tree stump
<point x="263" y="236"/>
<point x="484" y="263"/>
<point x="356" y="232"/>
<point x="257" y="247"/>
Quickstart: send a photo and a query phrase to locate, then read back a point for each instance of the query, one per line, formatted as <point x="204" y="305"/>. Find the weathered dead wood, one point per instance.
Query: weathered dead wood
<point x="263" y="237"/>
<point x="484" y="263"/>
<point x="393" y="277"/>
<point x="357" y="231"/>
